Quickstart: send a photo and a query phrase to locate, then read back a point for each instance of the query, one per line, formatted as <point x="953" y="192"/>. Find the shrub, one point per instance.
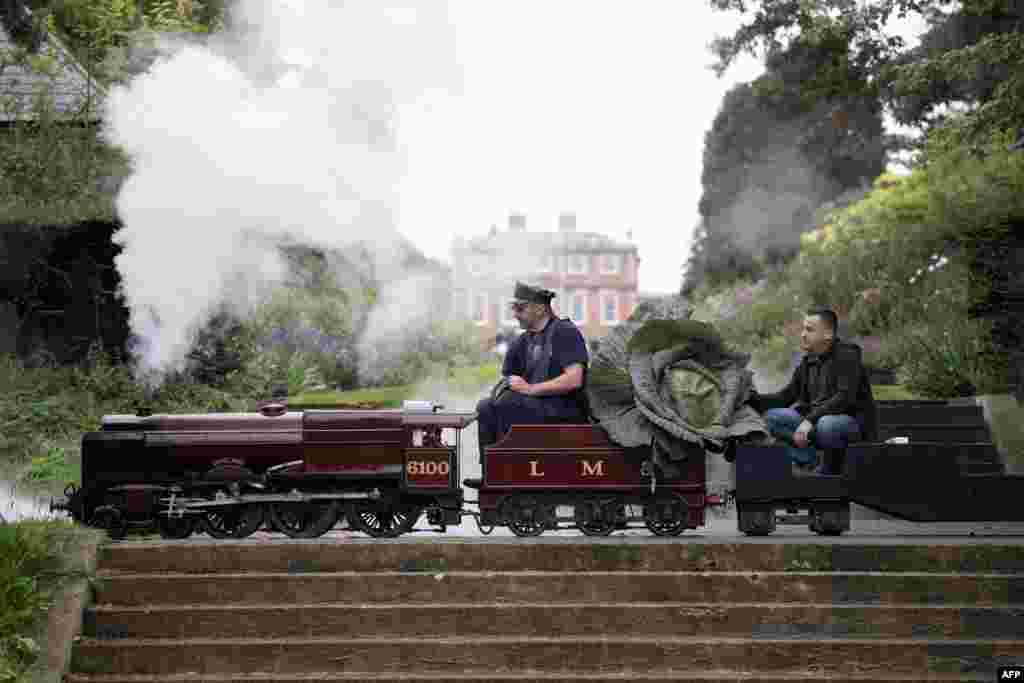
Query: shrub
<point x="434" y="353"/>
<point x="774" y="355"/>
<point x="943" y="360"/>
<point x="24" y="553"/>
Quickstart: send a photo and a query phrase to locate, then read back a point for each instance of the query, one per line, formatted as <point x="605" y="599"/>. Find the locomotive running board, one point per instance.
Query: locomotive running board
<point x="917" y="482"/>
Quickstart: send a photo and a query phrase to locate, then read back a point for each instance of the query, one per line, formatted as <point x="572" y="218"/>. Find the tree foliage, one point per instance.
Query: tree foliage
<point x="972" y="53"/>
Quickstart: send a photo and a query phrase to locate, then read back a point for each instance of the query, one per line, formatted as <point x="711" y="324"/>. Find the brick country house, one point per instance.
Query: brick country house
<point x="594" y="276"/>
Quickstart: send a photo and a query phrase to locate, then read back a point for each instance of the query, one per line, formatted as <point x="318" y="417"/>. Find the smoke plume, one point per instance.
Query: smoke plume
<point x="281" y="130"/>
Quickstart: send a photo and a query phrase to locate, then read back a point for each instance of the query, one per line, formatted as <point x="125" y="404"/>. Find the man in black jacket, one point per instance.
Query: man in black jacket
<point x="828" y="402"/>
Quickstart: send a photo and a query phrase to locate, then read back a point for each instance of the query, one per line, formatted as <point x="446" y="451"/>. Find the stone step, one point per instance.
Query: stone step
<point x="930" y="414"/>
<point x="533" y="677"/>
<point x="757" y="620"/>
<point x="561" y="587"/>
<point x="446" y="554"/>
<point x="551" y="655"/>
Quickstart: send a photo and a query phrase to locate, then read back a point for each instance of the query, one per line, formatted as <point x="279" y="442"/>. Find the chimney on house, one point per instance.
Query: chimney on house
<point x="516" y="222"/>
<point x="567" y="222"/>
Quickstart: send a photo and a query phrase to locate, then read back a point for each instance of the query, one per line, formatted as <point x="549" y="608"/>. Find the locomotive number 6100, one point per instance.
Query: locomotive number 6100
<point x="428" y="467"/>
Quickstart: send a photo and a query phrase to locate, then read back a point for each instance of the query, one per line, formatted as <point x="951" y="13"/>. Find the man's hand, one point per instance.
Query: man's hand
<point x="800" y="435"/>
<point x="519" y="385"/>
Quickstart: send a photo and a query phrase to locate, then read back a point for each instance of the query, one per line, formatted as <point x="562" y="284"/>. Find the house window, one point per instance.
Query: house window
<point x="578" y="310"/>
<point x="475" y="265"/>
<point x="610" y="309"/>
<point x="611" y="263"/>
<point x="578" y="263"/>
<point x="479" y="311"/>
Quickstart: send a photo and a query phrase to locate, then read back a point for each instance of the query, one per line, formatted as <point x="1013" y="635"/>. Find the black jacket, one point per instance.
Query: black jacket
<point x="831" y="383"/>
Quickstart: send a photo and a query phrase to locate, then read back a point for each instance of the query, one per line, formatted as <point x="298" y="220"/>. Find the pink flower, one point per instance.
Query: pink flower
<point x="872" y="296"/>
<point x="871" y="344"/>
<point x="745" y="296"/>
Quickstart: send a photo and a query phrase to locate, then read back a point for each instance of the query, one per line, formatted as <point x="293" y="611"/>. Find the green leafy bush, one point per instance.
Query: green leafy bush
<point x="943" y="360"/>
<point x="24" y="553"/>
<point x="434" y="354"/>
<point x="774" y="355"/>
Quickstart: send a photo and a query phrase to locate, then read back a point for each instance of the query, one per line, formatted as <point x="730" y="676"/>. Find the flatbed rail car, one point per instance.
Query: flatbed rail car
<point x="299" y="472"/>
<point x="947" y="471"/>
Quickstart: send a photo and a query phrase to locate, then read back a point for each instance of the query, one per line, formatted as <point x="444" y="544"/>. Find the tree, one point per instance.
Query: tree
<point x="772" y="157"/>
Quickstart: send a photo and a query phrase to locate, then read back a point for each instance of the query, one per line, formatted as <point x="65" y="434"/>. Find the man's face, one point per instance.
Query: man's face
<point x="816" y="336"/>
<point x="527" y="313"/>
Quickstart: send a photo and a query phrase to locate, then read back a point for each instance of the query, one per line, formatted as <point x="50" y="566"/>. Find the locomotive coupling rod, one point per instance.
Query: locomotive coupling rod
<point x="200" y="503"/>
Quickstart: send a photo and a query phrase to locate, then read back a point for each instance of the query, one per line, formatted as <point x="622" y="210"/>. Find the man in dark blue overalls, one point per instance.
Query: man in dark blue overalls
<point x="544" y="371"/>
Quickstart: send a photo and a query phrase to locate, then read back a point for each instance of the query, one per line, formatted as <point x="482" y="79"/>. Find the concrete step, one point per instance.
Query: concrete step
<point x="439" y="554"/>
<point x="533" y="677"/>
<point x="552" y="655"/>
<point x="560" y="587"/>
<point x="755" y="620"/>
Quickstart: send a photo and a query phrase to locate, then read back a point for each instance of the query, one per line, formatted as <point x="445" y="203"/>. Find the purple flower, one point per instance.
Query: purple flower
<point x="279" y="335"/>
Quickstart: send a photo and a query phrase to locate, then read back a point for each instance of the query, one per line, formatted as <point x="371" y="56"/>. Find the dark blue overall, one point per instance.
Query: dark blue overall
<point x="536" y="358"/>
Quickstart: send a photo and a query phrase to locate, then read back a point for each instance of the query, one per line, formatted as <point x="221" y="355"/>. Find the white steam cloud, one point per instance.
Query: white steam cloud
<point x="281" y="130"/>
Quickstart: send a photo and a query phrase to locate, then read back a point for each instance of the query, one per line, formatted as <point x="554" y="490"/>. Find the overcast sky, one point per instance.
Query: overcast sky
<point x="594" y="107"/>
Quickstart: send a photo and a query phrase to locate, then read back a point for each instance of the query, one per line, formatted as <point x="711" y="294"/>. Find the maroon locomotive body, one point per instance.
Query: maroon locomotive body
<point x="297" y="472"/>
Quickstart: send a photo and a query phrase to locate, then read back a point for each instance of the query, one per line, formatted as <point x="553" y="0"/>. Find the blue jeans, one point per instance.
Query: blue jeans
<point x="831" y="432"/>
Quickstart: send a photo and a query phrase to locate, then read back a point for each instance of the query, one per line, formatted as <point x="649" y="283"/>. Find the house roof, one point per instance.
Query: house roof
<point x="549" y="241"/>
<point x="74" y="91"/>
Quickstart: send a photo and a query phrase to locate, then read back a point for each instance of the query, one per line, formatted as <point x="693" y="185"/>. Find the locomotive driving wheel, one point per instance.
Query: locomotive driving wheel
<point x="596" y="517"/>
<point x="232" y="521"/>
<point x="304" y="520"/>
<point x="666" y="515"/>
<point x="383" y="518"/>
<point x="527" y="516"/>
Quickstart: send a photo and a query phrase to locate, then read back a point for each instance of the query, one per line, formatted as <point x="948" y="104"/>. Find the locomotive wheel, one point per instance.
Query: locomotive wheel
<point x="175" y="527"/>
<point x="303" y="520"/>
<point x="830" y="519"/>
<point x="666" y="515"/>
<point x="754" y="519"/>
<point x="109" y="518"/>
<point x="526" y="516"/>
<point x="232" y="521"/>
<point x="597" y="518"/>
<point x="382" y="518"/>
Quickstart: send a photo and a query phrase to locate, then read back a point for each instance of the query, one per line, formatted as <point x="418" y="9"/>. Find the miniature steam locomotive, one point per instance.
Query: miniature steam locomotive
<point x="302" y="472"/>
